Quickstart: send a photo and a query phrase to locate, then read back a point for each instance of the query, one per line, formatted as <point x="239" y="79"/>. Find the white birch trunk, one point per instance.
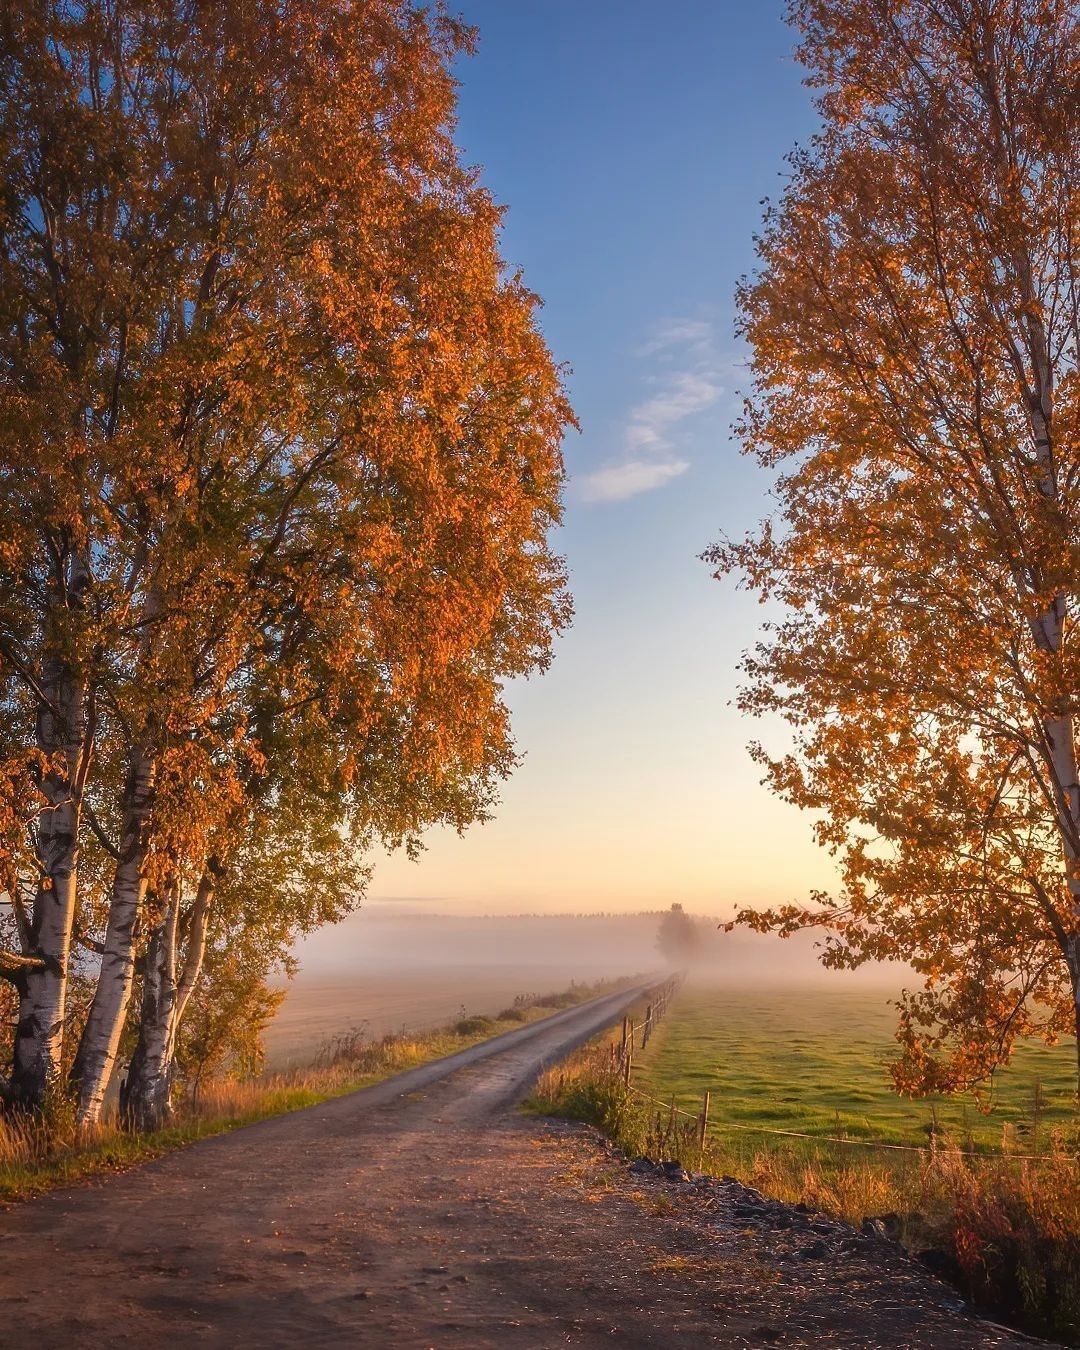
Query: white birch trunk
<point x="145" y="1099"/>
<point x="1061" y="739"/>
<point x="147" y="1096"/>
<point x="196" y="944"/>
<point x="1049" y="633"/>
<point x="61" y="731"/>
<point x="39" y="1033"/>
<point x="96" y="1056"/>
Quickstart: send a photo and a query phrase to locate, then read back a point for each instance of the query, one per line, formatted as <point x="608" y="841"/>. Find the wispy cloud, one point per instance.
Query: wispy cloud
<point x="686" y="387"/>
<point x="651" y="423"/>
<point x="619" y="481"/>
<point x="678" y="333"/>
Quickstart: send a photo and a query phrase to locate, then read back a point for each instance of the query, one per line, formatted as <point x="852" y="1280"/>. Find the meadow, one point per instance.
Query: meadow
<point x="389" y="970"/>
<point x="814" y="1061"/>
<point x="319" y="1010"/>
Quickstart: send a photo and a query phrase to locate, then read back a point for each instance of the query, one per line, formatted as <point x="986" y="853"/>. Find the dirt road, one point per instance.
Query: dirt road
<point x="425" y="1212"/>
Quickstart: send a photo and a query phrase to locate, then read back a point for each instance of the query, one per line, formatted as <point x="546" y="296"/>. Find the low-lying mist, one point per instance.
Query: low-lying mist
<point x="389" y="967"/>
<point x="386" y="938"/>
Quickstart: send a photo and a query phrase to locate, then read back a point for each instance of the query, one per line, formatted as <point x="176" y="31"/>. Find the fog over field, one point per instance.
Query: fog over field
<point x="394" y="965"/>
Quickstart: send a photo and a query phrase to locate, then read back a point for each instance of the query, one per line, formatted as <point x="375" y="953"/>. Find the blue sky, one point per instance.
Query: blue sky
<point x="632" y="145"/>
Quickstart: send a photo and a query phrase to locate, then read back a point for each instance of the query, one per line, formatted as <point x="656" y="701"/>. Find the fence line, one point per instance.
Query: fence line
<point x="701" y="1118"/>
<point x="622" y="1055"/>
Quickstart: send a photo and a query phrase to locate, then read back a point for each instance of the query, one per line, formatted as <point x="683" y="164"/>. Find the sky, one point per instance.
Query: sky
<point x="632" y="146"/>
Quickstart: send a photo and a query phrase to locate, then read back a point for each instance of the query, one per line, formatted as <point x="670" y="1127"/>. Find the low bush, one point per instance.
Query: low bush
<point x="567" y="999"/>
<point x="586" y="1091"/>
<point x="474" y="1026"/>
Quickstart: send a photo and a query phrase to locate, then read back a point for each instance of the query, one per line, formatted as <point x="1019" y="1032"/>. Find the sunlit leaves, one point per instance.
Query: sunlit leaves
<point x="264" y="372"/>
<point x="915" y="336"/>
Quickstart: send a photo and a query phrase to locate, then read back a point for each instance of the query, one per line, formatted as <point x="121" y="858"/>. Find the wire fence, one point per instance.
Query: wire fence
<point x="702" y="1116"/>
<point x="622" y="1055"/>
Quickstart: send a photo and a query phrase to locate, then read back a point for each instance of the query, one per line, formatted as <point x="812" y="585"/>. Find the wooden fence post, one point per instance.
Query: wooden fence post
<point x="703" y="1125"/>
<point x="628" y="1060"/>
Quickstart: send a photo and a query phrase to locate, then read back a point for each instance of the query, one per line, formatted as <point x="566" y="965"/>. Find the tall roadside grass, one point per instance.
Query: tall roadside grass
<point x="1006" y="1231"/>
<point x="40" y="1151"/>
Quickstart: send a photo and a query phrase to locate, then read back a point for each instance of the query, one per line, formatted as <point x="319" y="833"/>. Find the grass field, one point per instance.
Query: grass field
<point x="814" y="1061"/>
<point x="317" y="1008"/>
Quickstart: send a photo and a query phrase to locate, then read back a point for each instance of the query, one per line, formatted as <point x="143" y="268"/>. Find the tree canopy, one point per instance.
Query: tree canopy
<point x="279" y="448"/>
<point x="914" y="329"/>
<point x="679" y="936"/>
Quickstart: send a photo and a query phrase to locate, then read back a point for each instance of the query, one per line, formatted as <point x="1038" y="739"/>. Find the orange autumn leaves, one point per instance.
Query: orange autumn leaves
<point x="915" y="341"/>
<point x="269" y="385"/>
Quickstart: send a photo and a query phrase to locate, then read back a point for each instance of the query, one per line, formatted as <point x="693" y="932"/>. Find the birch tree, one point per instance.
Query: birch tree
<point x="914" y="329"/>
<point x="316" y="447"/>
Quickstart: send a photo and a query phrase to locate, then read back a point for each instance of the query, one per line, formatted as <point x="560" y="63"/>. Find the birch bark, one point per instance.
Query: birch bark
<point x="100" y="1041"/>
<point x="63" y="734"/>
<point x="1049" y="633"/>
<point x="147" y="1096"/>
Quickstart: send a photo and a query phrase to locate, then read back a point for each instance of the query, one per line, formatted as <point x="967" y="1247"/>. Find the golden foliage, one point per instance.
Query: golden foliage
<point x="914" y="327"/>
<point x="271" y="394"/>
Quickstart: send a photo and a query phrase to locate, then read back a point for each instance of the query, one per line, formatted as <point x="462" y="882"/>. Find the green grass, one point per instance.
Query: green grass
<point x="814" y="1061"/>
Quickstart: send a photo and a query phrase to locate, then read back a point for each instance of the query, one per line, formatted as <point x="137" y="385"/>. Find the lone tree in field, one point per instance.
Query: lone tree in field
<point x="279" y="456"/>
<point x="679" y="938"/>
<point x="915" y="327"/>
